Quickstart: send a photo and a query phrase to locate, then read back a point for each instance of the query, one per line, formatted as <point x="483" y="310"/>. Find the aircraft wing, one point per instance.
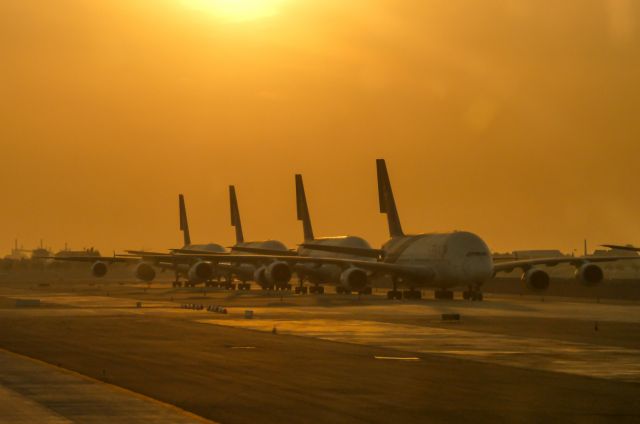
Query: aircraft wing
<point x="108" y="259"/>
<point x="384" y="268"/>
<point x="145" y="253"/>
<point x="618" y="247"/>
<point x="526" y="264"/>
<point x="355" y="251"/>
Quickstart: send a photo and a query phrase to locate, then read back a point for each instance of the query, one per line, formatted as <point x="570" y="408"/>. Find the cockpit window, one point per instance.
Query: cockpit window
<point x="476" y="253"/>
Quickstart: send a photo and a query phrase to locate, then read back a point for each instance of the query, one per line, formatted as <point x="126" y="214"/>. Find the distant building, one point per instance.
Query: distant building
<point x="91" y="252"/>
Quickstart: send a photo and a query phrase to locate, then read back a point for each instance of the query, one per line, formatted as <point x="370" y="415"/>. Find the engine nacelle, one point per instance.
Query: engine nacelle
<point x="145" y="272"/>
<point x="99" y="269"/>
<point x="277" y="273"/>
<point x="258" y="276"/>
<point x="200" y="271"/>
<point x="536" y="279"/>
<point x="354" y="278"/>
<point x="589" y="274"/>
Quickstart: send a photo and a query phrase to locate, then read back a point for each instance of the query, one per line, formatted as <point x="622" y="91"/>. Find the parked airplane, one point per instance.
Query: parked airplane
<point x="312" y="247"/>
<point x="194" y="271"/>
<point x="319" y="274"/>
<point x="270" y="276"/>
<point x="437" y="260"/>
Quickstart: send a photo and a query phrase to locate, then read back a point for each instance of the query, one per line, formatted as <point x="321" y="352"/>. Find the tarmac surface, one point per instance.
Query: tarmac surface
<point x="315" y="358"/>
<point x="35" y="392"/>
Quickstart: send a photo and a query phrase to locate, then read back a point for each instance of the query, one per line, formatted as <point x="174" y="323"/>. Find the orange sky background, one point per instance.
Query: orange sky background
<point x="518" y="120"/>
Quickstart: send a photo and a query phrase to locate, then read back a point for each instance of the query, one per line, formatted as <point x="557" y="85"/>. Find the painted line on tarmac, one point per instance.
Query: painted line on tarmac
<point x="397" y="358"/>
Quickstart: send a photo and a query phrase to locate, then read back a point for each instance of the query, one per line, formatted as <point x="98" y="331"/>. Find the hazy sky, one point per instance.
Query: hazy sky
<point x="516" y="119"/>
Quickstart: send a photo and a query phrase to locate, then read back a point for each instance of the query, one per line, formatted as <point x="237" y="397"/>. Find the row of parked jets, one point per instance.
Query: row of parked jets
<point x="442" y="261"/>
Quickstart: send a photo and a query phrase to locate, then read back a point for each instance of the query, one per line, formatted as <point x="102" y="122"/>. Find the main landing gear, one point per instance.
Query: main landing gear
<point x="395" y="293"/>
<point x="412" y="294"/>
<point x="472" y="294"/>
<point x="443" y="294"/>
<point x="317" y="289"/>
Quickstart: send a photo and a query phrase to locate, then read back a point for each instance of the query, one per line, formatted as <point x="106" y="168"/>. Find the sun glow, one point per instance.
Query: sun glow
<point x="237" y="10"/>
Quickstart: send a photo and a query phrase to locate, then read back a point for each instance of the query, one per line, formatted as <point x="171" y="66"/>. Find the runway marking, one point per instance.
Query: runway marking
<point x="610" y="362"/>
<point x="397" y="358"/>
<point x="243" y="347"/>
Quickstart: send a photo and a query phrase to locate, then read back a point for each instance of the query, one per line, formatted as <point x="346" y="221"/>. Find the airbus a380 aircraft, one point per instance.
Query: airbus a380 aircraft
<point x="269" y="276"/>
<point x="321" y="248"/>
<point x="276" y="274"/>
<point x="195" y="271"/>
<point x="437" y="260"/>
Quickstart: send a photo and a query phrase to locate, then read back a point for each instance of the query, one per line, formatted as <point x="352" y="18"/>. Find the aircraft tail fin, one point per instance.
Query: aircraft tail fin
<point x="303" y="209"/>
<point x="235" y="214"/>
<point x="387" y="202"/>
<point x="184" y="224"/>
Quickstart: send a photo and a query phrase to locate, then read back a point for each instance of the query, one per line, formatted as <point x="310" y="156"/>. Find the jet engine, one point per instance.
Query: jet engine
<point x="277" y="273"/>
<point x="145" y="272"/>
<point x="354" y="278"/>
<point x="589" y="274"/>
<point x="200" y="271"/>
<point x="99" y="269"/>
<point x="536" y="279"/>
<point x="258" y="276"/>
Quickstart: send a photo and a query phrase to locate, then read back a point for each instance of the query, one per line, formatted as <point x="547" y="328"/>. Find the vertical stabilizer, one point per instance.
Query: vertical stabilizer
<point x="387" y="202"/>
<point x="235" y="214"/>
<point x="585" y="247"/>
<point x="184" y="224"/>
<point x="303" y="209"/>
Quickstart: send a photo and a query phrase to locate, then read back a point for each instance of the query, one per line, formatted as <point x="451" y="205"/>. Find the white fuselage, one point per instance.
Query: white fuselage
<point x="328" y="273"/>
<point x="457" y="259"/>
<point x="183" y="269"/>
<point x="246" y="271"/>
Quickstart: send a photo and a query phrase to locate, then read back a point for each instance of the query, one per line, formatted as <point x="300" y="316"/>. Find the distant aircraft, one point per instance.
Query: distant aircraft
<point x="328" y="247"/>
<point x="275" y="275"/>
<point x="194" y="270"/>
<point x="437" y="260"/>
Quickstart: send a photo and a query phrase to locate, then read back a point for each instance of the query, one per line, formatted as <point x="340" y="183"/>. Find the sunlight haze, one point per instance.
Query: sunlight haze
<point x="517" y="120"/>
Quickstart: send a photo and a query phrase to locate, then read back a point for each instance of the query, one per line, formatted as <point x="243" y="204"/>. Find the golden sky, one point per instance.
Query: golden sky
<point x="516" y="119"/>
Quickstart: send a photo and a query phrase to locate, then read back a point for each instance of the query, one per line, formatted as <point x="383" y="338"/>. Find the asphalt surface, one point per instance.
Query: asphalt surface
<point x="321" y="358"/>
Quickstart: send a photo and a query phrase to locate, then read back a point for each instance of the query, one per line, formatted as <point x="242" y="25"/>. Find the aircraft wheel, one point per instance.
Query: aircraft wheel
<point x="443" y="294"/>
<point x="412" y="294"/>
<point x="394" y="294"/>
<point x="466" y="295"/>
<point x="320" y="290"/>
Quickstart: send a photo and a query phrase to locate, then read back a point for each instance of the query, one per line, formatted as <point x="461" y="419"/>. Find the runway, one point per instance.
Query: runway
<point x="336" y="358"/>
